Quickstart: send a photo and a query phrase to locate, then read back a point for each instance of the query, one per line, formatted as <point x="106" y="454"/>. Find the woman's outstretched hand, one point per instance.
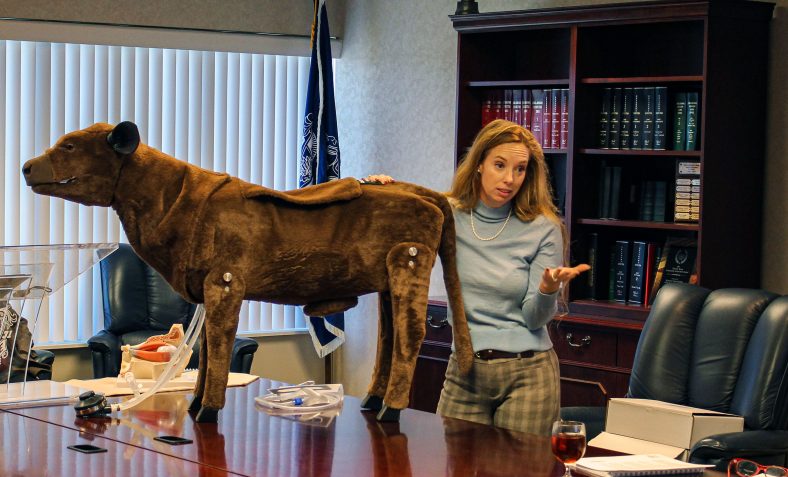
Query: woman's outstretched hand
<point x="553" y="278"/>
<point x="381" y="179"/>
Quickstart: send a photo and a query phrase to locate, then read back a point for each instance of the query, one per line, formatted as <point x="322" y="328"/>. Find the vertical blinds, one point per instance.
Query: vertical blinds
<point x="239" y="113"/>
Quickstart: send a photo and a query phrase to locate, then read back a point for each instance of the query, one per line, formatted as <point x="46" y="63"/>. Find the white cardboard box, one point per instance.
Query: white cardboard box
<point x="642" y="426"/>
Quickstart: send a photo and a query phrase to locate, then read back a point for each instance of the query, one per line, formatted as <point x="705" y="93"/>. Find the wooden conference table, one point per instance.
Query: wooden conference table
<point x="250" y="441"/>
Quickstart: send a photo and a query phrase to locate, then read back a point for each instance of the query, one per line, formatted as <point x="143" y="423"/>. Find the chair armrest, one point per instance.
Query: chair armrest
<point x="592" y="416"/>
<point x="105" y="348"/>
<point x="763" y="446"/>
<point x="104" y="342"/>
<point x="45" y="356"/>
<point x="243" y="353"/>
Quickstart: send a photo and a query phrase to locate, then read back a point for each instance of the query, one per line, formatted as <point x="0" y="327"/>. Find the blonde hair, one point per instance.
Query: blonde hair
<point x="535" y="196"/>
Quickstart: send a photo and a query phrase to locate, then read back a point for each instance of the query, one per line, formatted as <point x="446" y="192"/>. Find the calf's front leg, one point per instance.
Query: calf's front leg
<point x="223" y="292"/>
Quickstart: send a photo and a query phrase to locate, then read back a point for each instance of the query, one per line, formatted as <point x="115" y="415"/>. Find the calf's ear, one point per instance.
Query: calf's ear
<point x="125" y="138"/>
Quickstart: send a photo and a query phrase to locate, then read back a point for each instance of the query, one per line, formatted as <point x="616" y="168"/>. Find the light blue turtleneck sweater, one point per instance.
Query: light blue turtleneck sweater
<point x="500" y="278"/>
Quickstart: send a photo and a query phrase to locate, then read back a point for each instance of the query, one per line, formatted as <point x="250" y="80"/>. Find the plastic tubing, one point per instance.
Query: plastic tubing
<point x="181" y="354"/>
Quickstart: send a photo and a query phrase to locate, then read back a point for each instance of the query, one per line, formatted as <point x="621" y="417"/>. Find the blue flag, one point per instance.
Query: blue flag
<point x="320" y="154"/>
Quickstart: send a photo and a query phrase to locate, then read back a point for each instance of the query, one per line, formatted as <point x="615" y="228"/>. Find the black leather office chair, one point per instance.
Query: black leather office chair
<point x="139" y="303"/>
<point x="724" y="350"/>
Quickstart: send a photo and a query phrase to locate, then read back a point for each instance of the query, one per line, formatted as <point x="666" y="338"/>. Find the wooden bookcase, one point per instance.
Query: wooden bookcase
<point x="717" y="48"/>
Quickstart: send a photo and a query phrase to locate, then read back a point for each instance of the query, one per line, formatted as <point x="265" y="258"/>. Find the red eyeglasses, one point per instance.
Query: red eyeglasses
<point x="747" y="468"/>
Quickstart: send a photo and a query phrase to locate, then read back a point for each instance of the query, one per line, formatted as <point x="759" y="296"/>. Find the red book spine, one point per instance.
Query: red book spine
<point x="564" y="118"/>
<point x="517" y="107"/>
<point x="547" y="119"/>
<point x="498" y="105"/>
<point x="507" y="104"/>
<point x="651" y="250"/>
<point x="537" y="116"/>
<point x="487" y="109"/>
<point x="555" y="118"/>
<point x="527" y="113"/>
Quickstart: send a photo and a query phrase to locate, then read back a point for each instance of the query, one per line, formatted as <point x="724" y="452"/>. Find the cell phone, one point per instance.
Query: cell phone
<point x="87" y="448"/>
<point x="173" y="440"/>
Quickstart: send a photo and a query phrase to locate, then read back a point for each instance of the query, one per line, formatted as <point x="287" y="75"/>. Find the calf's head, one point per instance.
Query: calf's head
<point x="83" y="166"/>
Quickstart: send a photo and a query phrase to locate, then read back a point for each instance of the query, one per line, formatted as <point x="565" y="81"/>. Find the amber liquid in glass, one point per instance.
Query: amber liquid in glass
<point x="568" y="447"/>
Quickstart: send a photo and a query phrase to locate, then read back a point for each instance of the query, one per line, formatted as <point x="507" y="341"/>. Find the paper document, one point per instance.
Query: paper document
<point x="635" y="465"/>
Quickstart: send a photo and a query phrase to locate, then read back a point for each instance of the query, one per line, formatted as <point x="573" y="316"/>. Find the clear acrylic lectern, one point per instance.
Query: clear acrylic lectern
<point x="28" y="274"/>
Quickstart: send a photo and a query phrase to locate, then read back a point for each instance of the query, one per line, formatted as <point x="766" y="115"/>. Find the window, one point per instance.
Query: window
<point x="239" y="113"/>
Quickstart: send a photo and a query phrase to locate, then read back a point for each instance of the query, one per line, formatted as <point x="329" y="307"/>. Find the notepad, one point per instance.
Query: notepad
<point x="636" y="465"/>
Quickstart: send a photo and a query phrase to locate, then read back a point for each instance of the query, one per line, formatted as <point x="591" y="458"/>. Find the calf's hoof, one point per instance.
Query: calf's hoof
<point x="207" y="414"/>
<point x="388" y="414"/>
<point x="372" y="403"/>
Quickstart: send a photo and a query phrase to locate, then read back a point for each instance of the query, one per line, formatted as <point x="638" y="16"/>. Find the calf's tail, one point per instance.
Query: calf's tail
<point x="447" y="251"/>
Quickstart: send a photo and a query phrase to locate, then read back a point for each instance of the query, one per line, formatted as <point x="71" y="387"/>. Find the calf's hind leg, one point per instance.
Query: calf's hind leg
<point x="409" y="266"/>
<point x="380" y="375"/>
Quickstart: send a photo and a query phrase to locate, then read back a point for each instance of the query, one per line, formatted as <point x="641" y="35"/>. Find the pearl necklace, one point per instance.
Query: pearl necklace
<point x="487" y="239"/>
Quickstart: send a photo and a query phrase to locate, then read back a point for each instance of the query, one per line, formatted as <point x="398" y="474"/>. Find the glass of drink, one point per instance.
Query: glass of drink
<point x="569" y="442"/>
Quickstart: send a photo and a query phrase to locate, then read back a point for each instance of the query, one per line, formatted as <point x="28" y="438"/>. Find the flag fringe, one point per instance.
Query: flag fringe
<point x="324" y="350"/>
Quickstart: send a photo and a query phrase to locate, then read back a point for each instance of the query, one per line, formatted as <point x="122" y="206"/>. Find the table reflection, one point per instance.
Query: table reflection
<point x="389" y="447"/>
<point x="248" y="440"/>
<point x="479" y="450"/>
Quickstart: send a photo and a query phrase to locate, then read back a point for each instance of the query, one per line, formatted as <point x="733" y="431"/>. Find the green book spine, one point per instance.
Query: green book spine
<point x="660" y="110"/>
<point x="692" y="121"/>
<point x="604" y="118"/>
<point x="611" y="283"/>
<point x="614" y="136"/>
<point x="637" y="275"/>
<point x="660" y="199"/>
<point x="638" y="110"/>
<point x="648" y="117"/>
<point x="626" y="118"/>
<point x="647" y="201"/>
<point x="621" y="253"/>
<point x="680" y="122"/>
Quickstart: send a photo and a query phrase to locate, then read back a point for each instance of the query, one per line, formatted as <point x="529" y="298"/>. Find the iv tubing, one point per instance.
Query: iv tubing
<point x="181" y="354"/>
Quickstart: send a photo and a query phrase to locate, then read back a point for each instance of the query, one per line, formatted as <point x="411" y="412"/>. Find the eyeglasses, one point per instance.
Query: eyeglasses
<point x="747" y="468"/>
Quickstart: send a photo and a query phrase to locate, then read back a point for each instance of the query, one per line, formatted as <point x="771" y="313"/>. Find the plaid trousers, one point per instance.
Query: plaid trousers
<point x="522" y="394"/>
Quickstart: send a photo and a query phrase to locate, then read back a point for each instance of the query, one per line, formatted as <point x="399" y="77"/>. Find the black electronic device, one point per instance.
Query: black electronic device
<point x="87" y="448"/>
<point x="92" y="404"/>
<point x="173" y="440"/>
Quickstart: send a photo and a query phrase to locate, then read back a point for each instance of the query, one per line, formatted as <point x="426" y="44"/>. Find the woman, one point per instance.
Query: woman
<point x="510" y="248"/>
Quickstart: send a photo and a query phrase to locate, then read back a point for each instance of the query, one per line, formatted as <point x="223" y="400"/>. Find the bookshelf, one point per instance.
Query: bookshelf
<point x="716" y="49"/>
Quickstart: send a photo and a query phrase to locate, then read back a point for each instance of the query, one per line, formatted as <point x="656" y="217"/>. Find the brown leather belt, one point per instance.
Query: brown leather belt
<point x="495" y="354"/>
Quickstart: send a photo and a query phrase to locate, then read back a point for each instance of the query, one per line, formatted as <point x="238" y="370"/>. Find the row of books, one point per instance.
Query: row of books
<point x="623" y="193"/>
<point x="637" y="269"/>
<point x="635" y="119"/>
<point x="642" y="199"/>
<point x="544" y="112"/>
